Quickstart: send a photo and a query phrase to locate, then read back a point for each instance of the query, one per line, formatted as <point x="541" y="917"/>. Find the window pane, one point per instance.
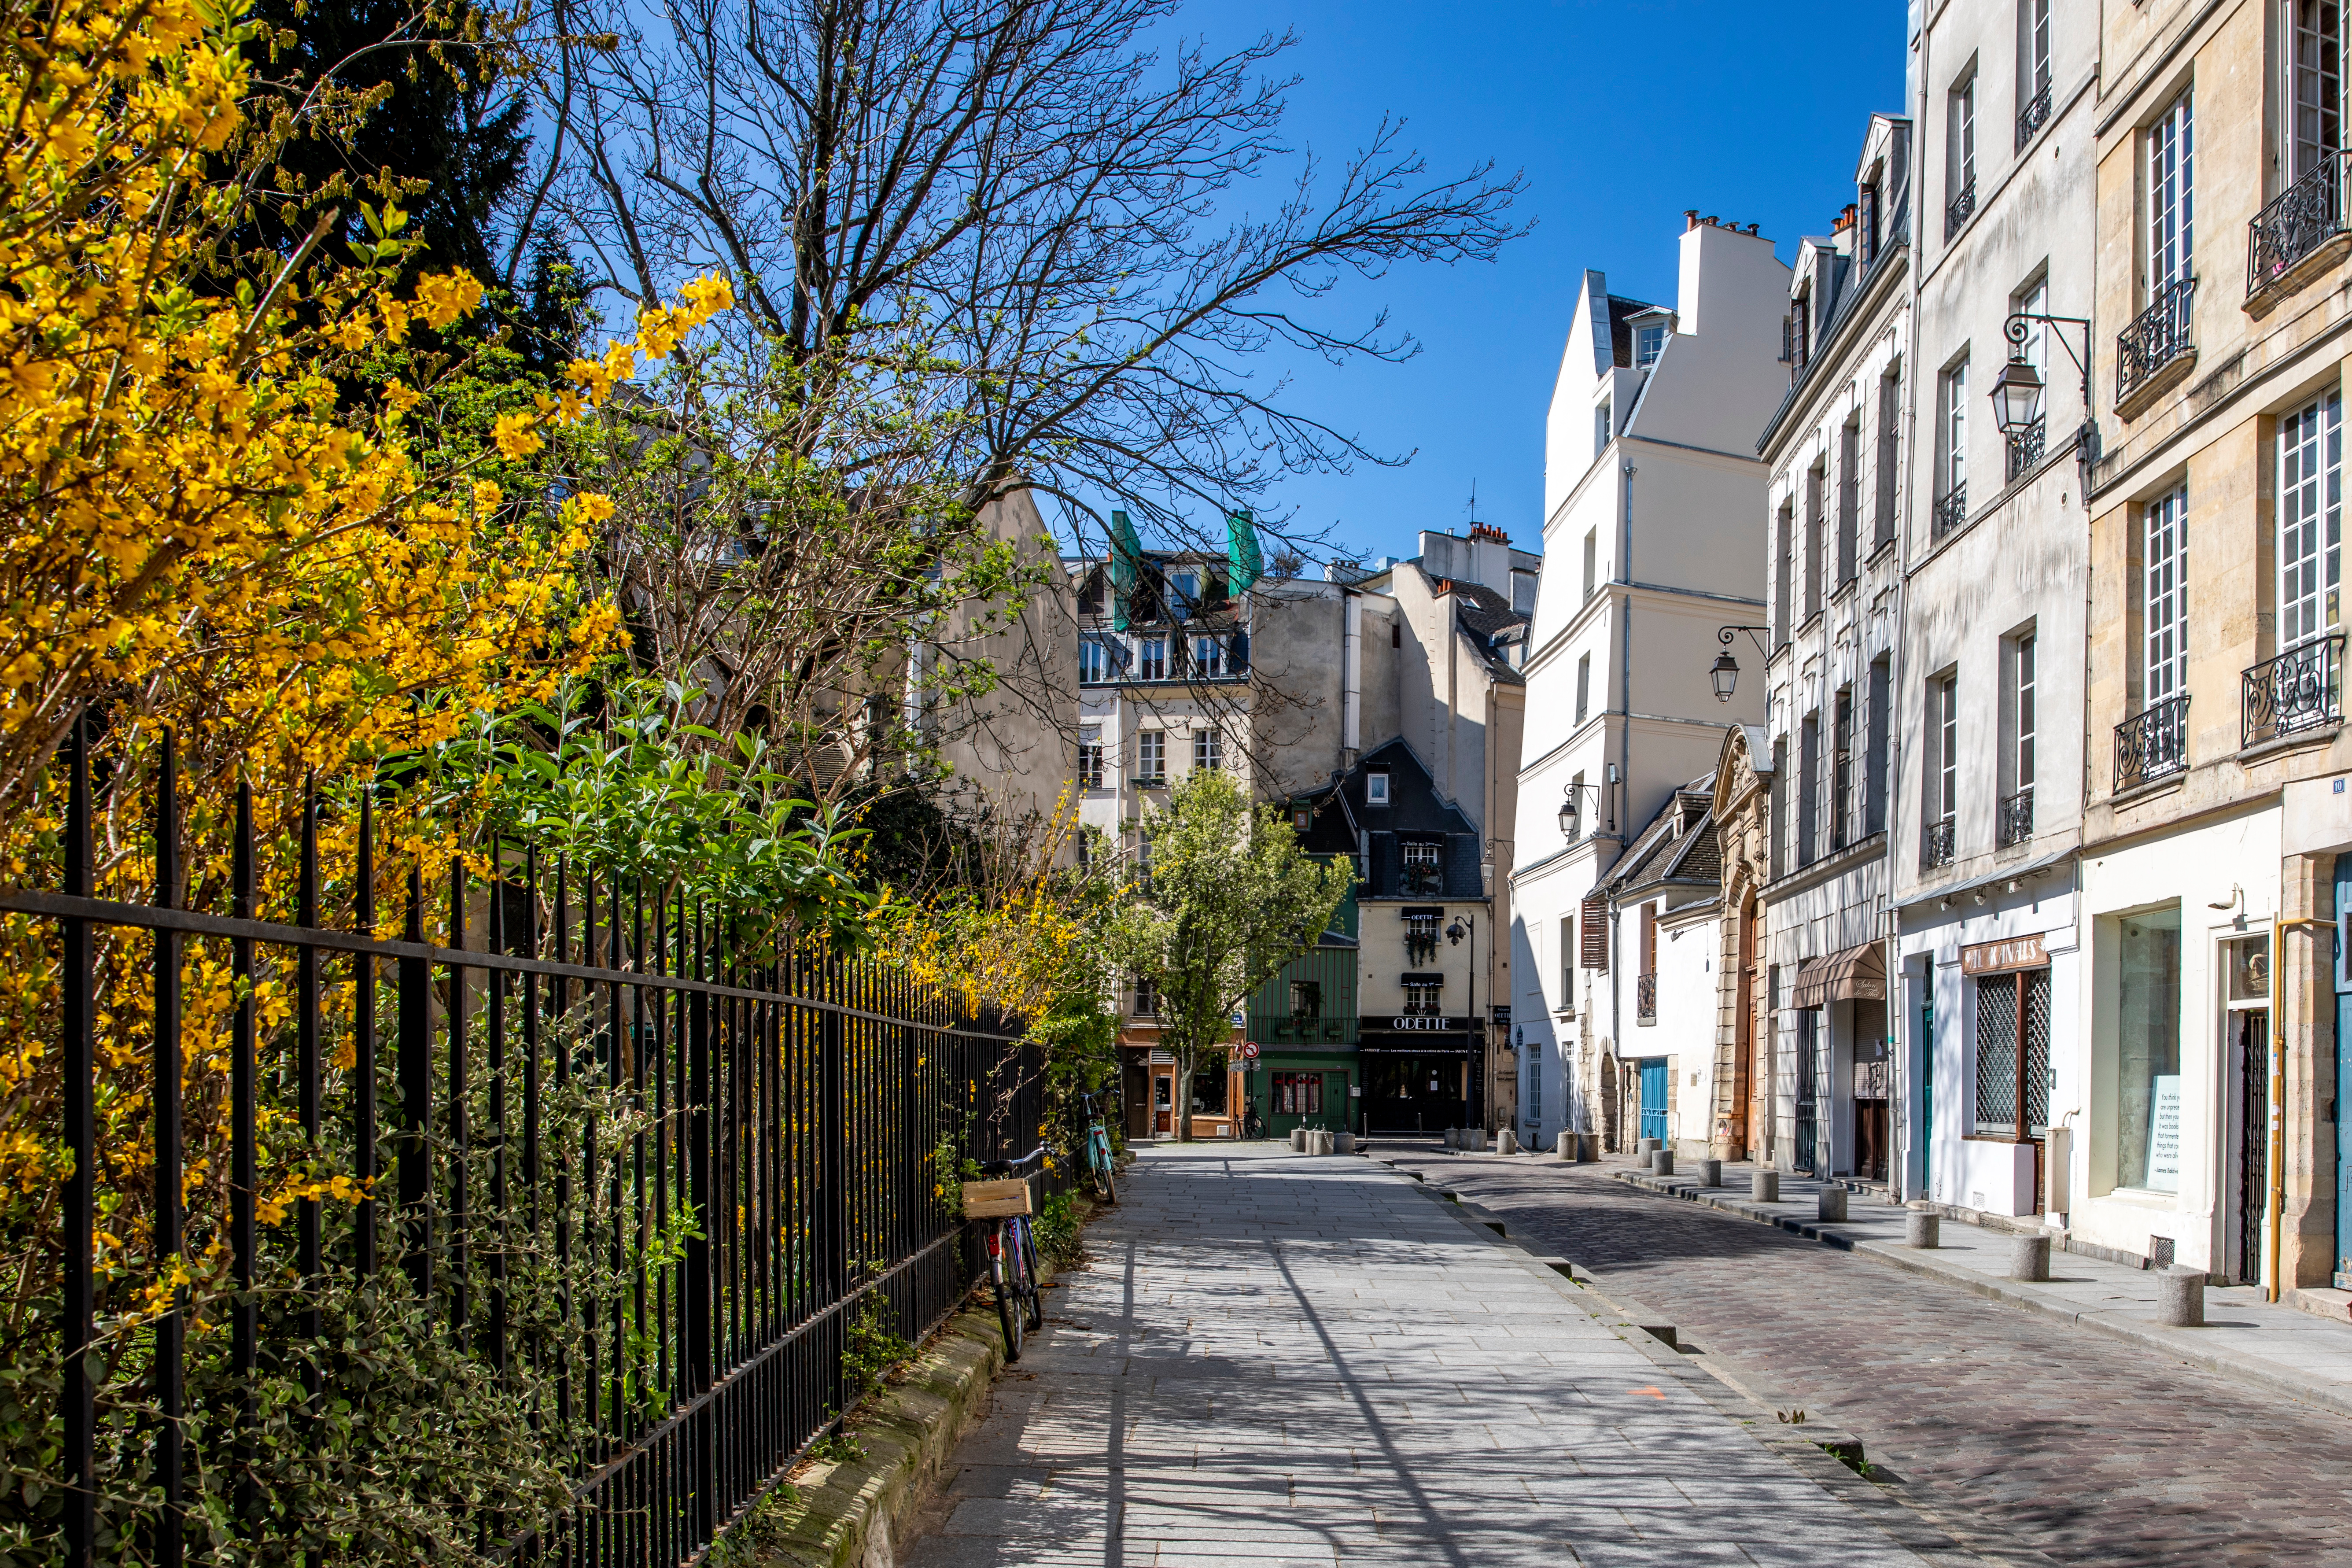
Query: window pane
<point x="2148" y="1052"/>
<point x="2310" y="520"/>
<point x="2165" y="609"/>
<point x="1996" y="1056"/>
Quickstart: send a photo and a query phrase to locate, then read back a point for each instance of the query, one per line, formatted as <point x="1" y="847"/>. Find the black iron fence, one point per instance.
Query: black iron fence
<point x="645" y="1176"/>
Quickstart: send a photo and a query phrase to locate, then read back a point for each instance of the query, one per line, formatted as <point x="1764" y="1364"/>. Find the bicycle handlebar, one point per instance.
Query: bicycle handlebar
<point x="1013" y="1167"/>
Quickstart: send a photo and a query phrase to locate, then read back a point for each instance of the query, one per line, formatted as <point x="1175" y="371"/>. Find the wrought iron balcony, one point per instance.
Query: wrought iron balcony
<point x="1951" y="509"/>
<point x="2152" y="744"/>
<point x="1935" y="848"/>
<point x="2301" y="689"/>
<point x="2024" y="447"/>
<point x="1963" y="206"/>
<point x="1645" y="999"/>
<point x="2306" y="216"/>
<point x="2017" y="818"/>
<point x="2032" y="117"/>
<point x="2158" y="336"/>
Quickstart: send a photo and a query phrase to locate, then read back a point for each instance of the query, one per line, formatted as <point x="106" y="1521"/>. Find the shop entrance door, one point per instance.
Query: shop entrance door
<point x="1809" y="1033"/>
<point x="1653" y="1098"/>
<point x="2252" y="1049"/>
<point x="1414" y="1093"/>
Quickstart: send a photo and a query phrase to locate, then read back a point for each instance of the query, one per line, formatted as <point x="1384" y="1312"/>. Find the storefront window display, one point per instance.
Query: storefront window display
<point x="2148" y="1052"/>
<point x="1209" y="1092"/>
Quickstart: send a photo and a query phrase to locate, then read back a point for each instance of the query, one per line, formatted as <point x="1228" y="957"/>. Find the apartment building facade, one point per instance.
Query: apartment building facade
<point x="1651" y="474"/>
<point x="2217" y="816"/>
<point x="1986" y="819"/>
<point x="1818" y="1077"/>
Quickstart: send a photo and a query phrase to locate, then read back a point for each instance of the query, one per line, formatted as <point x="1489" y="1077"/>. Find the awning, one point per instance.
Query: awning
<point x="1857" y="974"/>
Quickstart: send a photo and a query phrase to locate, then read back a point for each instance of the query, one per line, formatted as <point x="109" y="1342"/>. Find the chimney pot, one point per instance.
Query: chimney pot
<point x="1690" y="217"/>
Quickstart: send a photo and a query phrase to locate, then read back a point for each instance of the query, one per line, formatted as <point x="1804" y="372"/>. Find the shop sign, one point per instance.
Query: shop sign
<point x="1429" y="1023"/>
<point x="1999" y="957"/>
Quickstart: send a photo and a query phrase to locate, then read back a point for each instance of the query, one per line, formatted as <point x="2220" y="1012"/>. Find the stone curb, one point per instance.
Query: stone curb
<point x="2177" y="1343"/>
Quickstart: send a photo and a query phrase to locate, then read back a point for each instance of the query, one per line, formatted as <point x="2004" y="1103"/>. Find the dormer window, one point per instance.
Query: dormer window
<point x="1183" y="593"/>
<point x="1649" y="343"/>
<point x="1800" y="347"/>
<point x="1376" y="788"/>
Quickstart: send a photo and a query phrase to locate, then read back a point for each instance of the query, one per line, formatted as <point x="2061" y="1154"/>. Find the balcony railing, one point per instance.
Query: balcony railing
<point x="1935" y="848"/>
<point x="2301" y="689"/>
<point x="2158" y="336"/>
<point x="2024" y="448"/>
<point x="2017" y="818"/>
<point x="2032" y="117"/>
<point x="1963" y="206"/>
<point x="1645" y="999"/>
<point x="1951" y="509"/>
<point x="2153" y="744"/>
<point x="2306" y="215"/>
<point x="1421" y="883"/>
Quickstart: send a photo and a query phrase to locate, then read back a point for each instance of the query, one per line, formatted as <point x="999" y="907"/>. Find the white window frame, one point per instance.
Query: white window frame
<point x="1583" y="687"/>
<point x="1376" y="788"/>
<point x="1151" y="658"/>
<point x="1151" y="755"/>
<point x="2310" y="520"/>
<point x="1952" y="429"/>
<point x="2171" y="196"/>
<point x="1649" y="343"/>
<point x="1964" y="135"/>
<point x="1209" y="657"/>
<point x="1948" y="748"/>
<point x="2022" y="715"/>
<point x="1208" y="748"/>
<point x="2033" y="54"/>
<point x="2164" y="598"/>
<point x="2316" y="101"/>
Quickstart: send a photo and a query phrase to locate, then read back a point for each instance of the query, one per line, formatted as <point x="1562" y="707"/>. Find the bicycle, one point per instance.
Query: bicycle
<point x="1098" y="1155"/>
<point x="1013" y="1259"/>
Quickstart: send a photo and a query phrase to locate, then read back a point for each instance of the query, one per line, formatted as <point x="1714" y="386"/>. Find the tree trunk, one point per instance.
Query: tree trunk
<point x="1183" y="1088"/>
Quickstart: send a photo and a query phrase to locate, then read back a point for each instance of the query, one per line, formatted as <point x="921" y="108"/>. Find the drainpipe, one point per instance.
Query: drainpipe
<point x="1351" y="683"/>
<point x="2279" y="928"/>
<point x="1624" y="662"/>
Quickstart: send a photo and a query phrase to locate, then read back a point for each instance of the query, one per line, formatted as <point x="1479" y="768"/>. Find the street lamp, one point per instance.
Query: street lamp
<point x="2017" y="397"/>
<point x="2017" y="391"/>
<point x="1725" y="671"/>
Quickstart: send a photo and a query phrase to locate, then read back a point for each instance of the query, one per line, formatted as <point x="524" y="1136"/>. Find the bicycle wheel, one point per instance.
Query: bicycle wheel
<point x="1033" y="1298"/>
<point x="1005" y="1273"/>
<point x="1103" y="1186"/>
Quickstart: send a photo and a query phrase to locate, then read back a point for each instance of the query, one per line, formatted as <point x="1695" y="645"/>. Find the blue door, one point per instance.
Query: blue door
<point x="2343" y="1066"/>
<point x="1654" y="1098"/>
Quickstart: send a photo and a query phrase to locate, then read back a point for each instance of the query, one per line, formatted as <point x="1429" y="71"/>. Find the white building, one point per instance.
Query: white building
<point x="1665" y="903"/>
<point x="1988" y="797"/>
<point x="1817" y="1086"/>
<point x="1650" y="484"/>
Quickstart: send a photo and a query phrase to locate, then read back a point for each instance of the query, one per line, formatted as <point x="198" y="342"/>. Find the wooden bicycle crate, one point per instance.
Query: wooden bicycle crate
<point x="997" y="1200"/>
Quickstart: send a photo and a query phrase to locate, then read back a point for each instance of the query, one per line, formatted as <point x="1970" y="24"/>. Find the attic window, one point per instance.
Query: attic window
<point x="1649" y="343"/>
<point x="1376" y="788"/>
<point x="1301" y="818"/>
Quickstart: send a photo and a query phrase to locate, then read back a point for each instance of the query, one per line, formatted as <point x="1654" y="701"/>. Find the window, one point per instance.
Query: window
<point x="1567" y="965"/>
<point x="1299" y="1094"/>
<point x="1209" y="1092"/>
<point x="2318" y="83"/>
<point x="1090" y="764"/>
<point x="1093" y="660"/>
<point x="1599" y="429"/>
<point x="1154" y="660"/>
<point x="2032" y="67"/>
<point x="2170" y="203"/>
<point x="1881" y="716"/>
<point x="1849" y="540"/>
<point x="1801" y="330"/>
<point x="1785" y="526"/>
<point x="2022" y="719"/>
<point x="1648" y="929"/>
<point x="1533" y="1115"/>
<point x="1809" y="785"/>
<point x="2013" y="1054"/>
<point x="1376" y="788"/>
<point x="1421" y="937"/>
<point x="1591" y="560"/>
<point x="1944" y="803"/>
<point x="1964" y="140"/>
<point x="1842" y="770"/>
<point x="1208" y="748"/>
<point x="1147" y="997"/>
<point x="1396" y="633"/>
<point x="1583" y="687"/>
<point x="2310" y="520"/>
<point x="1952" y="439"/>
<point x="1184" y="595"/>
<point x="1306" y="1000"/>
<point x="1421" y="999"/>
<point x="1890" y="421"/>
<point x="1649" y="343"/>
<point x="1151" y="754"/>
<point x="1816" y="563"/>
<point x="1778" y="805"/>
<point x="1143" y="861"/>
<point x="1209" y="657"/>
<point x="2148" y="1051"/>
<point x="1422" y="873"/>
<point x="1870" y="219"/>
<point x="2164" y="614"/>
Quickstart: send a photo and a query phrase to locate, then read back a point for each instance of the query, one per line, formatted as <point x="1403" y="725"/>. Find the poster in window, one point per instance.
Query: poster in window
<point x="2164" y="1134"/>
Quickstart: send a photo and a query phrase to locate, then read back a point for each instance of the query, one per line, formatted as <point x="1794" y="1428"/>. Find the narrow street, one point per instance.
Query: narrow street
<point x="1276" y="1359"/>
<point x="2052" y="1436"/>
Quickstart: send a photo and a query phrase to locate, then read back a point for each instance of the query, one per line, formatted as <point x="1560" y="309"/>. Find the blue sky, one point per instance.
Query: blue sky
<point x="1621" y="115"/>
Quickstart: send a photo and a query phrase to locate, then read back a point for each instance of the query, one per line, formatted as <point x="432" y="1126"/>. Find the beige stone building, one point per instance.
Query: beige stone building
<point x="2205" y="1103"/>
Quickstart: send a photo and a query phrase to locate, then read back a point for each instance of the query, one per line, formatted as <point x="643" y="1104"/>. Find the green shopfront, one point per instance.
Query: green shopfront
<point x="1303" y="1023"/>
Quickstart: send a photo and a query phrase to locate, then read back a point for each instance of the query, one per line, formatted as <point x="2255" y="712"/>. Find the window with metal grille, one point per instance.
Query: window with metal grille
<point x="2310" y="520"/>
<point x="2013" y="1040"/>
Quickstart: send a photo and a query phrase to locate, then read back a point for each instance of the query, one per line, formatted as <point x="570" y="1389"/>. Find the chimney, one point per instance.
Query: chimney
<point x="1690" y="220"/>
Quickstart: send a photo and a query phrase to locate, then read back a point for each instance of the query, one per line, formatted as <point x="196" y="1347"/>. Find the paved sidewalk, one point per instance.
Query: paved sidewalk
<point x="1278" y="1359"/>
<point x="2277" y="1348"/>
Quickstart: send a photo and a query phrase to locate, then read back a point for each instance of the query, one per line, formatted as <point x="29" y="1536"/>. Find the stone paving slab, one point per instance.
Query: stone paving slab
<point x="2278" y="1348"/>
<point x="1326" y="1366"/>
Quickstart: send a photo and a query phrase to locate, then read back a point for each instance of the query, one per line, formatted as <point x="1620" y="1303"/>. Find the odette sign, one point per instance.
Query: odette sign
<point x="1429" y="1023"/>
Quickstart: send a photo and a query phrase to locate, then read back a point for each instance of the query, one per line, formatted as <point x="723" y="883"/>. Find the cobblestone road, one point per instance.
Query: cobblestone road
<point x="2051" y="1436"/>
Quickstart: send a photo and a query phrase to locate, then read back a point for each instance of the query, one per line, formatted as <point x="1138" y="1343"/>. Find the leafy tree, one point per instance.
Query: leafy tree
<point x="1231" y="898"/>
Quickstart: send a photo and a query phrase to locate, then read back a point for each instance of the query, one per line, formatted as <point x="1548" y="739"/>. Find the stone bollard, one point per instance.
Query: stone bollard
<point x="2029" y="1257"/>
<point x="1831" y="1201"/>
<point x="1507" y="1142"/>
<point x="1563" y="1148"/>
<point x="1661" y="1163"/>
<point x="1477" y="1137"/>
<point x="1298" y="1140"/>
<point x="1448" y="1137"/>
<point x="2180" y="1297"/>
<point x="1767" y="1186"/>
<point x="1710" y="1173"/>
<point x="1922" y="1228"/>
<point x="1646" y="1146"/>
<point x="1343" y="1143"/>
<point x="1318" y="1141"/>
